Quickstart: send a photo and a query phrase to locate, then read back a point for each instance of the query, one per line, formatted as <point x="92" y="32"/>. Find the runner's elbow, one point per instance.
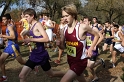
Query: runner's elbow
<point x="47" y="40"/>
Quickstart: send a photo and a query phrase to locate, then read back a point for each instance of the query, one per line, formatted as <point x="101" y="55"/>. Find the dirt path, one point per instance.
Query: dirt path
<point x="105" y="74"/>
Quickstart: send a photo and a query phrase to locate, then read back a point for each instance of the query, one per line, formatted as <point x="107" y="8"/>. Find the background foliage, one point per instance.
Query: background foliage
<point x="105" y="10"/>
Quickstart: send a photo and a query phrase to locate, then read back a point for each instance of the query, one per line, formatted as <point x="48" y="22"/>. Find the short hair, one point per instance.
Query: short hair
<point x="8" y="16"/>
<point x="96" y="18"/>
<point x="71" y="10"/>
<point x="108" y="22"/>
<point x="30" y="12"/>
<point x="46" y="14"/>
<point x="115" y="25"/>
<point x="87" y="17"/>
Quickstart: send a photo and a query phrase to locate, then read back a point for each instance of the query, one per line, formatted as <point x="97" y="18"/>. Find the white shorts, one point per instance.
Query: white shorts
<point x="119" y="47"/>
<point x="50" y="34"/>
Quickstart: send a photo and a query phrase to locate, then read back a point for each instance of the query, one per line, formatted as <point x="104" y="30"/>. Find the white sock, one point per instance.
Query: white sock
<point x="4" y="76"/>
<point x="113" y="64"/>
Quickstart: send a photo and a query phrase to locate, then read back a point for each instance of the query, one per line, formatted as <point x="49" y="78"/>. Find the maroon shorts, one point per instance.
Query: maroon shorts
<point x="78" y="66"/>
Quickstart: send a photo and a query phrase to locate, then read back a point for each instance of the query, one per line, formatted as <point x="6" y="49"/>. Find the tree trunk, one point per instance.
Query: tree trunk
<point x="6" y="7"/>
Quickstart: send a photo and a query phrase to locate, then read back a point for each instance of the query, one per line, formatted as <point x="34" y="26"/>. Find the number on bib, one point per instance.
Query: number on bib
<point x="71" y="50"/>
<point x="89" y="41"/>
<point x="107" y="34"/>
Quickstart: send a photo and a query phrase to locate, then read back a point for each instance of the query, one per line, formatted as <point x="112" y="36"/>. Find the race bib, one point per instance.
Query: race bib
<point x="115" y="38"/>
<point x="107" y="34"/>
<point x="71" y="50"/>
<point x="89" y="41"/>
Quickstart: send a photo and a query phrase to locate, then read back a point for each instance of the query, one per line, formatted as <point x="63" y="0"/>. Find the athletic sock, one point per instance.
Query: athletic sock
<point x="4" y="76"/>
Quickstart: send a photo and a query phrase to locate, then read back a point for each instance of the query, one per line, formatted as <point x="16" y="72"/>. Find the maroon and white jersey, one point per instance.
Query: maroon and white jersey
<point x="75" y="46"/>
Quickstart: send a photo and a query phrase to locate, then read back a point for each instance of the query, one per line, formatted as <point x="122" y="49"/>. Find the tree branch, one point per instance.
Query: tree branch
<point x="6" y="7"/>
<point x="97" y="9"/>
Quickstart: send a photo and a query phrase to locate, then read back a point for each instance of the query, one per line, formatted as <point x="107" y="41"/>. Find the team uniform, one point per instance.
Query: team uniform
<point x="89" y="41"/>
<point x="108" y="33"/>
<point x="118" y="47"/>
<point x="99" y="28"/>
<point x="12" y="48"/>
<point x="25" y="25"/>
<point x="38" y="56"/>
<point x="76" y="48"/>
<point x="49" y="30"/>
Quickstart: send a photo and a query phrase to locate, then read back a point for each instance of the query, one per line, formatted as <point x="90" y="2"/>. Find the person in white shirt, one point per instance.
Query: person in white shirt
<point x="118" y="48"/>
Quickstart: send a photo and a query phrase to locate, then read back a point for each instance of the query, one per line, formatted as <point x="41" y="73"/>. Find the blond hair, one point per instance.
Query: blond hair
<point x="71" y="10"/>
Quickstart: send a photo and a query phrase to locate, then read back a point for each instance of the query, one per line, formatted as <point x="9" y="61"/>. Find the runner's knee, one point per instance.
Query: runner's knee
<point x="21" y="76"/>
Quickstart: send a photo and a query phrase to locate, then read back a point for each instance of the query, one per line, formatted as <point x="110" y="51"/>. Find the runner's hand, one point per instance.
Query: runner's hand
<point x="89" y="52"/>
<point x="1" y="36"/>
<point x="57" y="42"/>
<point x="27" y="40"/>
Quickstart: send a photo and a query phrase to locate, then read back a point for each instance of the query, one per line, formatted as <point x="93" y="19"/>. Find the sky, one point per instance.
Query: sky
<point x="1" y="9"/>
<point x="83" y="2"/>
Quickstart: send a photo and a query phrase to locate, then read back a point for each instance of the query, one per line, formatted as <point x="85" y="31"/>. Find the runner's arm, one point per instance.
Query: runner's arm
<point x="42" y="33"/>
<point x="11" y="33"/>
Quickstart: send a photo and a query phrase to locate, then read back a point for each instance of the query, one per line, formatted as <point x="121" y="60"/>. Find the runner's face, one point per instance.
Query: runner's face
<point x="4" y="20"/>
<point x="115" y="29"/>
<point x="94" y="20"/>
<point x="85" y="21"/>
<point x="29" y="18"/>
<point x="68" y="18"/>
<point x="107" y="24"/>
<point x="46" y="18"/>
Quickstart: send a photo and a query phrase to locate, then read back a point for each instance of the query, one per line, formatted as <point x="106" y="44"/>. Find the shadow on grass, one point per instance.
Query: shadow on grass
<point x="104" y="74"/>
<point x="120" y="59"/>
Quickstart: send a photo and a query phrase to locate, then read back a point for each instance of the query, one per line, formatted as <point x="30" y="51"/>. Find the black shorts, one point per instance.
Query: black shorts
<point x="32" y="64"/>
<point x="108" y="41"/>
<point x="93" y="57"/>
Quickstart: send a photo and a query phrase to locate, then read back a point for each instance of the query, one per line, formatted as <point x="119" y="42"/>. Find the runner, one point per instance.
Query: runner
<point x="108" y="33"/>
<point x="38" y="56"/>
<point x="122" y="30"/>
<point x="92" y="63"/>
<point x="118" y="47"/>
<point x="48" y="26"/>
<point x="12" y="48"/>
<point x="25" y="25"/>
<point x="74" y="34"/>
<point x="24" y="32"/>
<point x="40" y="17"/>
<point x="96" y="24"/>
<point x="61" y="26"/>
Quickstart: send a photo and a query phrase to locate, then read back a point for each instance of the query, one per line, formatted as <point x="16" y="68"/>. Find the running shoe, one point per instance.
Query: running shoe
<point x="57" y="61"/>
<point x="56" y="49"/>
<point x="95" y="80"/>
<point x="112" y="66"/>
<point x="102" y="62"/>
<point x="3" y="79"/>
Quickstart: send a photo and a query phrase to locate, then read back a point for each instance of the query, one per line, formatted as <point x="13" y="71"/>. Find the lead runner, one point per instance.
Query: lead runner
<point x="74" y="34"/>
